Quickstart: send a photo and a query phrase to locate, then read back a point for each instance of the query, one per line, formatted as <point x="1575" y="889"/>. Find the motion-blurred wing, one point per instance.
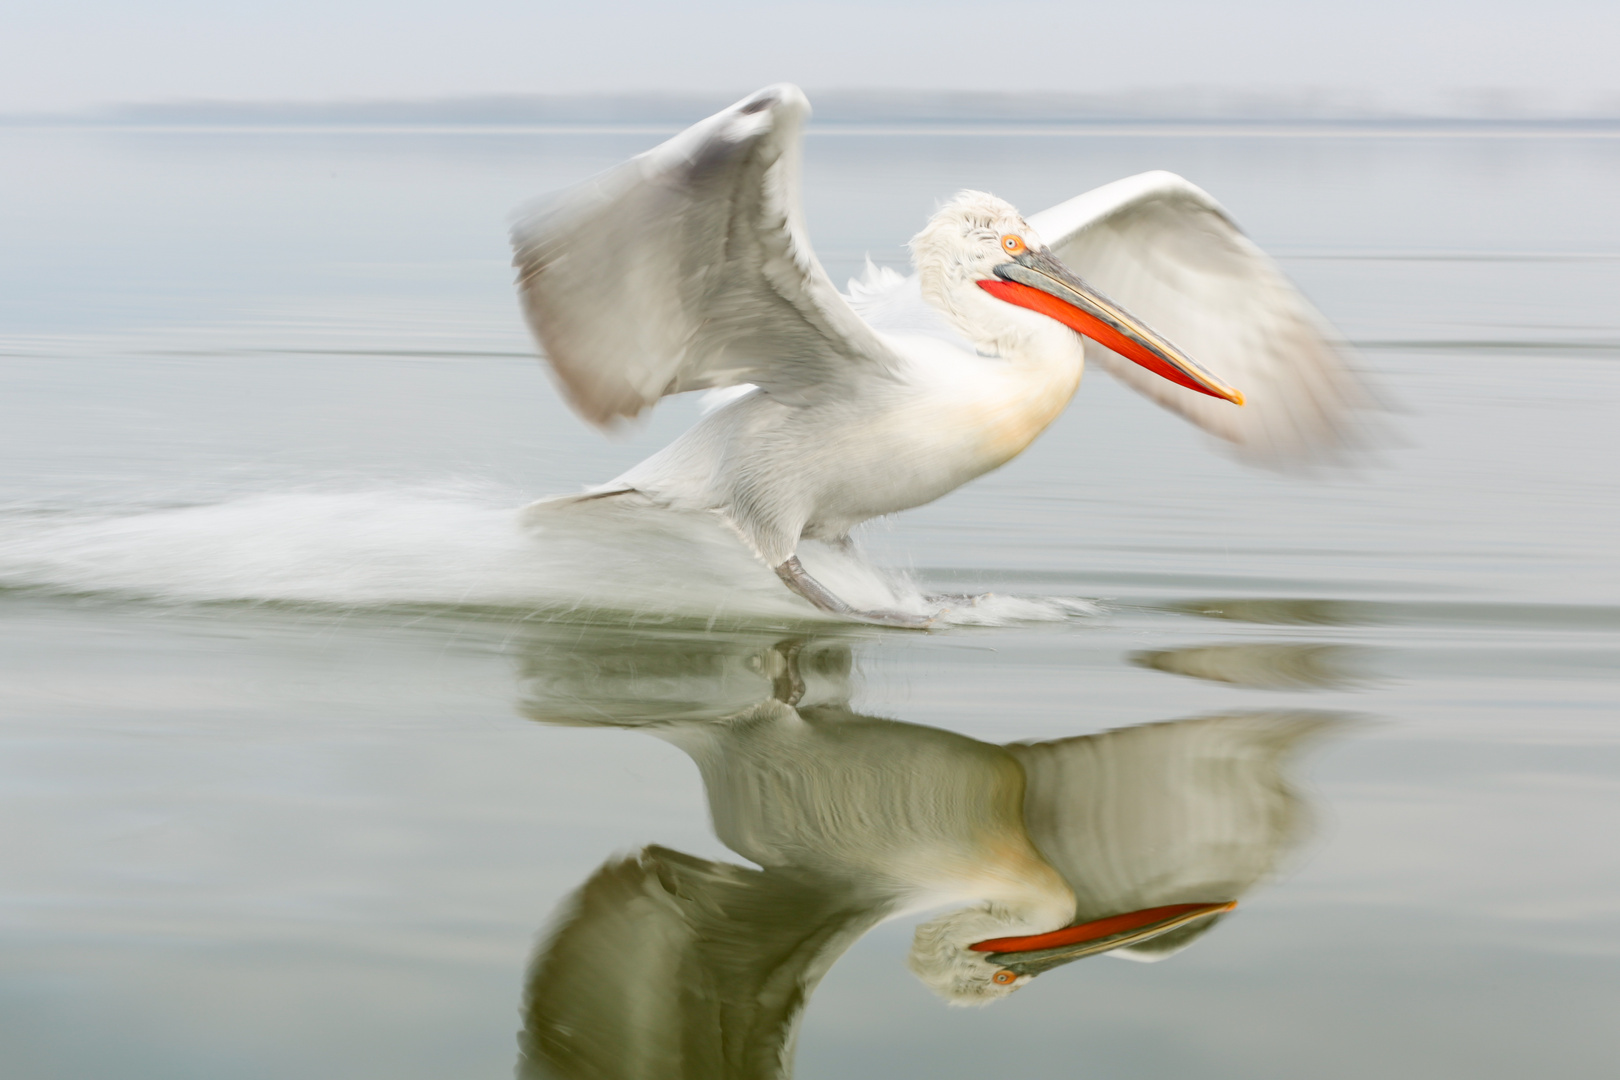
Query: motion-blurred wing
<point x="1195" y="811"/>
<point x="1170" y="254"/>
<point x="687" y="267"/>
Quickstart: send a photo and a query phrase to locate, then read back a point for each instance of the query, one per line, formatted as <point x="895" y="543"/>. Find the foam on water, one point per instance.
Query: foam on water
<point x="434" y="547"/>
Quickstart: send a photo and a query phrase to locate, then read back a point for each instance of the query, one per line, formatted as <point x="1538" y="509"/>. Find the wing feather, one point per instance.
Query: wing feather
<point x="1171" y="255"/>
<point x="1191" y="811"/>
<point x="687" y="268"/>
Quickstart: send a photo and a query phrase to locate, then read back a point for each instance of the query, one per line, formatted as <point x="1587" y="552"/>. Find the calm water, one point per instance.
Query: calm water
<point x="310" y="767"/>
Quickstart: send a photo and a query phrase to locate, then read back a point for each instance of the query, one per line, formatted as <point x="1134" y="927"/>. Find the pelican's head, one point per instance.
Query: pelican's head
<point x="965" y="959"/>
<point x="942" y="956"/>
<point x="994" y="278"/>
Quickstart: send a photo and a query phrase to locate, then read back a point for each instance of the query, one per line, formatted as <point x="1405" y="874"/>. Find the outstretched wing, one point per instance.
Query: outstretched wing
<point x="687" y="267"/>
<point x="666" y="965"/>
<point x="1194" y="811"/>
<point x="1171" y="255"/>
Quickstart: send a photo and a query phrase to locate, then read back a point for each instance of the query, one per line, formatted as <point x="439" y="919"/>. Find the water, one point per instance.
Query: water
<point x="312" y="765"/>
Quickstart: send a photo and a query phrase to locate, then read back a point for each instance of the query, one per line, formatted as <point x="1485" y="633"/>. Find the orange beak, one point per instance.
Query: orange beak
<point x="1039" y="282"/>
<point x="1036" y="953"/>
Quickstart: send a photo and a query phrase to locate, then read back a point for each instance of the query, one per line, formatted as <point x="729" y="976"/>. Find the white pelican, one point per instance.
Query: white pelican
<point x="688" y="268"/>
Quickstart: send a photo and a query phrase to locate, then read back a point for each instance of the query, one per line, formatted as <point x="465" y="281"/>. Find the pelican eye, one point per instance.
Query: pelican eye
<point x="1003" y="977"/>
<point x="1012" y="244"/>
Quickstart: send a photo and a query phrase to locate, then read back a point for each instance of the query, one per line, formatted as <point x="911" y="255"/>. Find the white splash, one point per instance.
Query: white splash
<point x="432" y="547"/>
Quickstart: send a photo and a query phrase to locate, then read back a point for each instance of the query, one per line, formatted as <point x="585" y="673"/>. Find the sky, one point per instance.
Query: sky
<point x="1428" y="55"/>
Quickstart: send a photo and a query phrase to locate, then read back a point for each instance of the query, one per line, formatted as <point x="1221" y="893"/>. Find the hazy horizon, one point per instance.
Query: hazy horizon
<point x="836" y="105"/>
<point x="1432" y="58"/>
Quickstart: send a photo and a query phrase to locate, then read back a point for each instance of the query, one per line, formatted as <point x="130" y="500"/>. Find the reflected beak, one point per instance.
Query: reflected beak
<point x="1038" y="281"/>
<point x="1041" y="952"/>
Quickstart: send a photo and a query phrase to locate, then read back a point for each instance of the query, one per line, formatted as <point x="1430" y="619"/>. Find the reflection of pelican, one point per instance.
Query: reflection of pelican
<point x="1270" y="665"/>
<point x="704" y="968"/>
<point x="688" y="267"/>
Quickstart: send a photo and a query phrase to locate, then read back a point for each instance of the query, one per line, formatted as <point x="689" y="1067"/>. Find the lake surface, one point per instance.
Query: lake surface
<point x="310" y="767"/>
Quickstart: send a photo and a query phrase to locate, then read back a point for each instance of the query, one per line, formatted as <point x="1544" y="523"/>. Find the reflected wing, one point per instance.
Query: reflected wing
<point x="666" y="965"/>
<point x="1171" y="255"/>
<point x="1187" y="812"/>
<point x="687" y="267"/>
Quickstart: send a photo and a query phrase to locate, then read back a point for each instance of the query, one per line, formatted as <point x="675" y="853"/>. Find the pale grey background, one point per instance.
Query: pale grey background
<point x="1431" y="56"/>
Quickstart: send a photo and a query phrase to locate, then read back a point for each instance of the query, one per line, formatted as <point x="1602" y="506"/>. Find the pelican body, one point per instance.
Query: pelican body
<point x="687" y="268"/>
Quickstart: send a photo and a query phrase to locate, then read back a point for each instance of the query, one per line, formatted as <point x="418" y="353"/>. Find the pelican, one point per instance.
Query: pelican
<point x="688" y="268"/>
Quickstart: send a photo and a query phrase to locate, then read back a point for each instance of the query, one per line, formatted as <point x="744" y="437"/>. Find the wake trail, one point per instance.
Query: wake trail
<point x="378" y="548"/>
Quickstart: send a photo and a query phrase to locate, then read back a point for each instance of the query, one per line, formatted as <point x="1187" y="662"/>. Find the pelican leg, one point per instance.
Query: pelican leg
<point x="795" y="577"/>
<point x="787" y="685"/>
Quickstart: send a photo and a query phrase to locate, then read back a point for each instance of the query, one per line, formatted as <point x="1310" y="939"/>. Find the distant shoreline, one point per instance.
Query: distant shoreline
<point x="1547" y="129"/>
<point x="836" y="112"/>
